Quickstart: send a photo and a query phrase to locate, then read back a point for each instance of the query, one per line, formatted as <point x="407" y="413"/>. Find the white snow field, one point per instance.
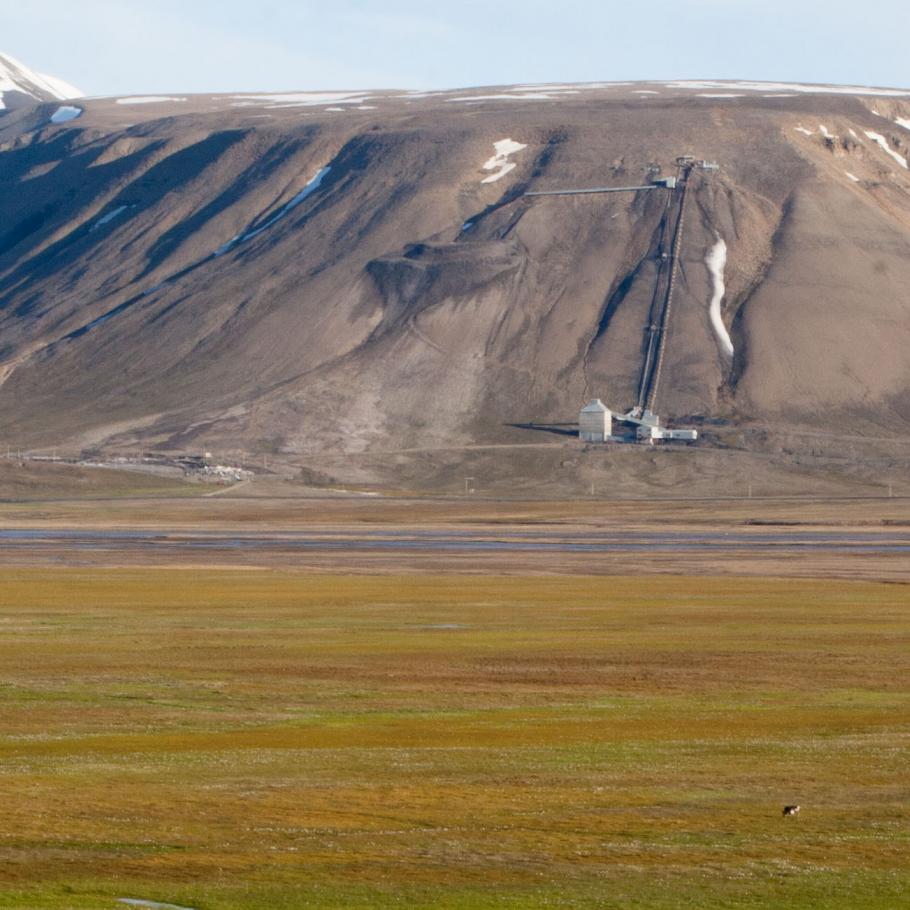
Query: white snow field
<point x="65" y="114"/>
<point x="148" y="99"/>
<point x="794" y="87"/>
<point x="716" y="260"/>
<point x="312" y="185"/>
<point x="900" y="121"/>
<point x="527" y="96"/>
<point x="882" y="142"/>
<point x="17" y="77"/>
<point x="500" y="161"/>
<point x="566" y="87"/>
<point x="301" y="99"/>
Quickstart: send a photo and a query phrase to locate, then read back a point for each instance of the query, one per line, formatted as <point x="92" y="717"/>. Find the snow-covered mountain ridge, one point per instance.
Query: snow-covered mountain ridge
<point x="20" y="85"/>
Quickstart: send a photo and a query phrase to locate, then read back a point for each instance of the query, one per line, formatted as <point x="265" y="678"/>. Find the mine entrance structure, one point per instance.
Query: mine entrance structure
<point x="643" y="414"/>
<point x="595" y="422"/>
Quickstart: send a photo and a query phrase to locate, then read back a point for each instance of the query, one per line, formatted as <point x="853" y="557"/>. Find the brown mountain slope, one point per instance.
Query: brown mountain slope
<point x="399" y="301"/>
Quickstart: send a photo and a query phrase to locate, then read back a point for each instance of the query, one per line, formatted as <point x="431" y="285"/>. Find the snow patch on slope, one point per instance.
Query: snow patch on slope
<point x="569" y="88"/>
<point x="312" y="185"/>
<point x="900" y="121"/>
<point x="852" y="177"/>
<point x="65" y="114"/>
<point x="526" y="96"/>
<point x="716" y="260"/>
<point x="301" y="99"/>
<point x="110" y="216"/>
<point x="882" y="142"/>
<point x="147" y="99"/>
<point x="793" y="87"/>
<point x="500" y="161"/>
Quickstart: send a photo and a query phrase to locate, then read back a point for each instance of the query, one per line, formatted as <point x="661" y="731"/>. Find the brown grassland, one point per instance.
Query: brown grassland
<point x="277" y="509"/>
<point x="278" y="738"/>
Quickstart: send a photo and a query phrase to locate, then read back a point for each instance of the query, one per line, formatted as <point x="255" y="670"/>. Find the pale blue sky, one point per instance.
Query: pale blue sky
<point x="123" y="46"/>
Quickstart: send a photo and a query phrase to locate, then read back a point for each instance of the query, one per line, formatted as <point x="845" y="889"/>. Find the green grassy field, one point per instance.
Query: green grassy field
<point x="43" y="481"/>
<point x="279" y="740"/>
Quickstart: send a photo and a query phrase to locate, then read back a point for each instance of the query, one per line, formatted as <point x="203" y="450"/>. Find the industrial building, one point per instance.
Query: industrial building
<point x="595" y="422"/>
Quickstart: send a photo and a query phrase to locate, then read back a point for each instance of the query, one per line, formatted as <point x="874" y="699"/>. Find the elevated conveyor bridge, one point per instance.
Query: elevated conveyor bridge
<point x="670" y="246"/>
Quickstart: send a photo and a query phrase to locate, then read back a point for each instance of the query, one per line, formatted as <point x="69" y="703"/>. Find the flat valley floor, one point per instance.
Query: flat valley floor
<point x="365" y="703"/>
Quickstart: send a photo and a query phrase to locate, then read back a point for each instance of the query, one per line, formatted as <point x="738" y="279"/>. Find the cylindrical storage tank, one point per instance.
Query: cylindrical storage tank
<point x="595" y="422"/>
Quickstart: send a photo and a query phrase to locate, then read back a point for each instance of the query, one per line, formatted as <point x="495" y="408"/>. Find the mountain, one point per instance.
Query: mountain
<point x="355" y="280"/>
<point x="21" y="86"/>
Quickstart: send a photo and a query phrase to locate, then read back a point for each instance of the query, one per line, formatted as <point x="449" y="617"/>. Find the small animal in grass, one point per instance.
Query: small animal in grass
<point x="791" y="810"/>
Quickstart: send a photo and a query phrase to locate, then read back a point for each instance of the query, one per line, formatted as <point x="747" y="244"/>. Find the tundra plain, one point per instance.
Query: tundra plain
<point x="452" y="730"/>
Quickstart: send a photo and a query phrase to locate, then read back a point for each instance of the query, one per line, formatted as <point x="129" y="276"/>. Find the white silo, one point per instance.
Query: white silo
<point x="595" y="422"/>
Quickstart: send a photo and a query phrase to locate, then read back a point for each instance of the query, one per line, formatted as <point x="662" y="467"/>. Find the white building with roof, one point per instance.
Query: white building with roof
<point x="595" y="422"/>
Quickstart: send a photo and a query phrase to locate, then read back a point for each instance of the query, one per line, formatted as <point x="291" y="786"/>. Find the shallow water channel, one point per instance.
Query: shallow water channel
<point x="872" y="542"/>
